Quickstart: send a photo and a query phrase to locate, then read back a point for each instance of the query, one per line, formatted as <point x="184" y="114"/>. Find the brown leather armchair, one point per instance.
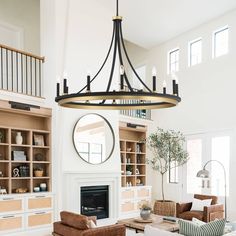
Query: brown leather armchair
<point x="215" y="211"/>
<point x="72" y="224"/>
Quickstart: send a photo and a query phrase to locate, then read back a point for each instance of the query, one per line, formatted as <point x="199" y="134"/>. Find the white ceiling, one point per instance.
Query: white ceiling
<point x="151" y="22"/>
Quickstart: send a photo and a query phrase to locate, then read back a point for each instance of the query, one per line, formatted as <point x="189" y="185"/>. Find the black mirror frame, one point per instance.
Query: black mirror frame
<point x="112" y="132"/>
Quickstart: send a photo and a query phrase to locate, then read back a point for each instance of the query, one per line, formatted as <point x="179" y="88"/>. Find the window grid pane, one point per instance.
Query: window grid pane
<point x="194" y="164"/>
<point x="221" y="39"/>
<point x="220" y="151"/>
<point x="195" y="52"/>
<point x="174" y="61"/>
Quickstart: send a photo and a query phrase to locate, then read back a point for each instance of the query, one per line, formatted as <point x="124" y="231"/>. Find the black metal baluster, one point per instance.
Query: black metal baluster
<point x="31" y="75"/>
<point x="17" y="73"/>
<point x="1" y="67"/>
<point x="22" y="78"/>
<point x="12" y="77"/>
<point x="26" y="74"/>
<point x="7" y="67"/>
<point x="35" y="77"/>
<point x="40" y="85"/>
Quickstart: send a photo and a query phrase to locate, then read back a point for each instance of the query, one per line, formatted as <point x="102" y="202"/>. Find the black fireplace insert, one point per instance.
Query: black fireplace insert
<point x="95" y="201"/>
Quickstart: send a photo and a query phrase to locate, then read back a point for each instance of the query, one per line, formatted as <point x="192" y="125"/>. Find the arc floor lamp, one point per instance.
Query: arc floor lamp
<point x="206" y="174"/>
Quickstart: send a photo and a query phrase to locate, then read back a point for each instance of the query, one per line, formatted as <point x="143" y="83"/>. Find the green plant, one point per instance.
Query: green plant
<point x="129" y="168"/>
<point x="145" y="206"/>
<point x="167" y="148"/>
<point x="38" y="168"/>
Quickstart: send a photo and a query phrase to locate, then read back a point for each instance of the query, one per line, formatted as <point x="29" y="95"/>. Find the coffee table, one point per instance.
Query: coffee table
<point x="157" y="222"/>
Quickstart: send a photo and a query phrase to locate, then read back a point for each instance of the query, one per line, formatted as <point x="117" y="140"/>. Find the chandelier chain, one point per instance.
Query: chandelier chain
<point x="117" y="7"/>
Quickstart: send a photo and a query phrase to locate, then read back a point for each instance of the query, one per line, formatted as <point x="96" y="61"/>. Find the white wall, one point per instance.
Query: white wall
<point x="207" y="91"/>
<point x="23" y="14"/>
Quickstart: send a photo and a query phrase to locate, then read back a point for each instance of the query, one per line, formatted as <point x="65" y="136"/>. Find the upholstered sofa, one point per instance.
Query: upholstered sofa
<point x="72" y="224"/>
<point x="215" y="211"/>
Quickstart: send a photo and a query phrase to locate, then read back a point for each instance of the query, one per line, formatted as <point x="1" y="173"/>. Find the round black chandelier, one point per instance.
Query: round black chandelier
<point x="127" y="98"/>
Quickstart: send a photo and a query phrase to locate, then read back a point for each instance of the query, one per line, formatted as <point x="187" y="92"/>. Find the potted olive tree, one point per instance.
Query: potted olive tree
<point x="168" y="152"/>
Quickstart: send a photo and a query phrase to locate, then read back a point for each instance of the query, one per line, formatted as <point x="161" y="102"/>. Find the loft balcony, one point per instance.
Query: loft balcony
<point x="20" y="72"/>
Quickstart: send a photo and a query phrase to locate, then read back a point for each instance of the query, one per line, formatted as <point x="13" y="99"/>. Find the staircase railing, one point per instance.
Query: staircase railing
<point x="20" y="71"/>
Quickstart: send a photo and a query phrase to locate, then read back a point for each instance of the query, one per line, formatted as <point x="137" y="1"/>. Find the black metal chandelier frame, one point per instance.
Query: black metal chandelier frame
<point x="108" y="100"/>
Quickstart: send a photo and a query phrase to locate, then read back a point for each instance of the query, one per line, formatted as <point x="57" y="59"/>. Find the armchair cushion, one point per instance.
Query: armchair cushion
<point x="198" y="204"/>
<point x="188" y="215"/>
<point x="214" y="228"/>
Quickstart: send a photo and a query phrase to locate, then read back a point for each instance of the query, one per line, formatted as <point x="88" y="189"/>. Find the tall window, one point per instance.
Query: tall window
<point x="201" y="149"/>
<point x="221" y="42"/>
<point x="173" y="61"/>
<point x="194" y="148"/>
<point x="195" y="52"/>
<point x="220" y="151"/>
<point x="173" y="173"/>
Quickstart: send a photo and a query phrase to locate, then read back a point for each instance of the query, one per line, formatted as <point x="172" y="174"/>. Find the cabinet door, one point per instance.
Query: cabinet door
<point x="39" y="202"/>
<point x="127" y="206"/>
<point x="8" y="204"/>
<point x="143" y="192"/>
<point x="11" y="222"/>
<point x="39" y="219"/>
<point x="127" y="194"/>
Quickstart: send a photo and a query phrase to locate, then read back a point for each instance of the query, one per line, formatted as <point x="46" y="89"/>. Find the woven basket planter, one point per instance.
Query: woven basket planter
<point x="165" y="208"/>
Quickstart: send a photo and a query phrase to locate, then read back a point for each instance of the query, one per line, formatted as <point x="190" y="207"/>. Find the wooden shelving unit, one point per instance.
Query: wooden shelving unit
<point x="36" y="121"/>
<point x="133" y="155"/>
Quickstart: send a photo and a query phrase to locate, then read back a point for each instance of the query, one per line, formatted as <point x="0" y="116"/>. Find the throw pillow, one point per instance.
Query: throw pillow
<point x="91" y="224"/>
<point x="75" y="220"/>
<point x="152" y="231"/>
<point x="214" y="228"/>
<point x="198" y="222"/>
<point x="198" y="205"/>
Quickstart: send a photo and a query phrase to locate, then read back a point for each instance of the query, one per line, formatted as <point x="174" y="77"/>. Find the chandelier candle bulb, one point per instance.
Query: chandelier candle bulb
<point x="64" y="85"/>
<point x="88" y="82"/>
<point x="122" y="71"/>
<point x="164" y="87"/>
<point x="177" y="87"/>
<point x="174" y="86"/>
<point x="58" y="89"/>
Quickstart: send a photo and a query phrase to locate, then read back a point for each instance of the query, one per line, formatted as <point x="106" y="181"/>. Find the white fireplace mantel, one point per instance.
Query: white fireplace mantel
<point x="73" y="181"/>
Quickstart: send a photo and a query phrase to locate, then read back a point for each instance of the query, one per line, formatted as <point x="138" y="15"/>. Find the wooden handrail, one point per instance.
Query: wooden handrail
<point x="23" y="52"/>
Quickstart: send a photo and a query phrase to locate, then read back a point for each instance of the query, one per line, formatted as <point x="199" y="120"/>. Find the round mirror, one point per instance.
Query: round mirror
<point x="93" y="138"/>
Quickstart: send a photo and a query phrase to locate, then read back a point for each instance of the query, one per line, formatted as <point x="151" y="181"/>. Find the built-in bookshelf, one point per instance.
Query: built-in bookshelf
<point x="133" y="155"/>
<point x="19" y="160"/>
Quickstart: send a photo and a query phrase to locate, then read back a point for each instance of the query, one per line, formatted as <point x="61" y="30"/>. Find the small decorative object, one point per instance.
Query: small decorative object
<point x="21" y="190"/>
<point x="3" y="191"/>
<point x="128" y="160"/>
<point x="16" y="172"/>
<point x="36" y="189"/>
<point x="19" y="138"/>
<point x="24" y="171"/>
<point x="1" y="174"/>
<point x="129" y="149"/>
<point x="145" y="211"/>
<point x="38" y="157"/>
<point x="43" y="187"/>
<point x="129" y="170"/>
<point x="19" y="156"/>
<point x="137" y="171"/>
<point x="1" y="136"/>
<point x="38" y="140"/>
<point x="38" y="172"/>
<point x="167" y="149"/>
<point x="138" y="181"/>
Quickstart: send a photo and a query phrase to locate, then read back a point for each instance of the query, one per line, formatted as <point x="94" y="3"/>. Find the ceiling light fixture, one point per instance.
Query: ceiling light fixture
<point x="127" y="98"/>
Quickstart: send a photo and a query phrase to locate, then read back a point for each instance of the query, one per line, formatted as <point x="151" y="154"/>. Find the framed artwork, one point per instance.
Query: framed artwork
<point x="38" y="140"/>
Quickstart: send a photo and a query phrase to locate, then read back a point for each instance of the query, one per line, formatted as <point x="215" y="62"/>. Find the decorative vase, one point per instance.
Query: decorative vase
<point x="19" y="138"/>
<point x="145" y="214"/>
<point x="165" y="208"/>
